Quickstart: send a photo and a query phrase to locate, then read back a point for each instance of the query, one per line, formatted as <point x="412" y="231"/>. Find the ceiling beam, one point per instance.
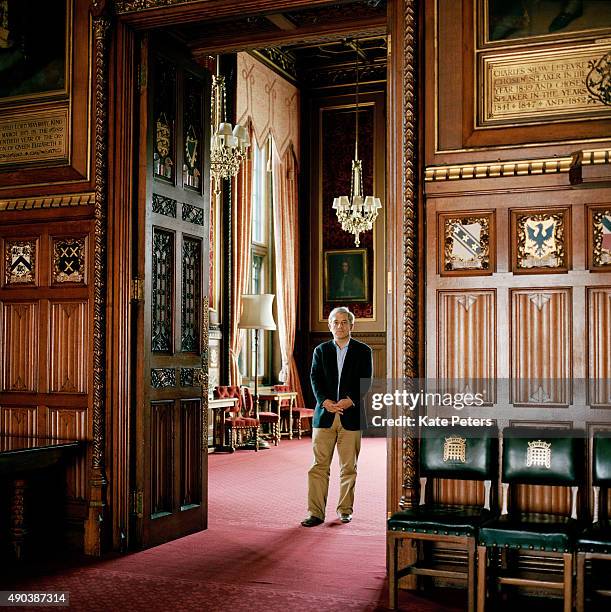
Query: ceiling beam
<point x="165" y="14"/>
<point x="281" y="22"/>
<point x="227" y="43"/>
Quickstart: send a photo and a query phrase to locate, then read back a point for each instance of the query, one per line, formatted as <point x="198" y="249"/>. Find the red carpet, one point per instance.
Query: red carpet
<point x="254" y="555"/>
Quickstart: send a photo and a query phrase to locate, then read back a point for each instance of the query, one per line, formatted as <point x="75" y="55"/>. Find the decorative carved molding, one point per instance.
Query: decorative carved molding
<point x="77" y="199"/>
<point x="524" y="167"/>
<point x="205" y="373"/>
<point x="281" y="59"/>
<point x="466" y="301"/>
<point x="193" y="214"/>
<point x="539" y="299"/>
<point x="410" y="242"/>
<point x="94" y="523"/>
<point x="163" y="377"/>
<point x="164" y="206"/>
<point x="131" y="6"/>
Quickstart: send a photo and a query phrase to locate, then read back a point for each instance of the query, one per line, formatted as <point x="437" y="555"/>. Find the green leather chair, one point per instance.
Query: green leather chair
<point x="538" y="457"/>
<point x="594" y="544"/>
<point x="463" y="454"/>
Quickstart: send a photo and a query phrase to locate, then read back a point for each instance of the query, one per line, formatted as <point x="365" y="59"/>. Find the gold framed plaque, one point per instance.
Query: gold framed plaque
<point x="536" y="86"/>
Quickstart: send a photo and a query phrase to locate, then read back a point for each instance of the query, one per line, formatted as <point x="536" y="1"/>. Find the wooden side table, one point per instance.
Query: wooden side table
<point x="275" y="398"/>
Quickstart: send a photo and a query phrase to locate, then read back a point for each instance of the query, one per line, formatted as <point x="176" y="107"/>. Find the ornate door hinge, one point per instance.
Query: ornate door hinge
<point x="137" y="503"/>
<point x="137" y="290"/>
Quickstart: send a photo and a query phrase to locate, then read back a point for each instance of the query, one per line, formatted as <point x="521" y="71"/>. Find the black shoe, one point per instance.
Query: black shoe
<point x="345" y="518"/>
<point x="571" y="10"/>
<point x="311" y="521"/>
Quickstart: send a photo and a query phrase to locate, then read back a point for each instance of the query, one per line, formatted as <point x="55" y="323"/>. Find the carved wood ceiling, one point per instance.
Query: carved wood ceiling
<point x="313" y="46"/>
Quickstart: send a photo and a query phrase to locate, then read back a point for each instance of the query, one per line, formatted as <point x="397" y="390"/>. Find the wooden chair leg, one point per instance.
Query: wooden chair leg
<point x="471" y="574"/>
<point x="482" y="561"/>
<point x="580" y="595"/>
<point x="393" y="587"/>
<point x="568" y="582"/>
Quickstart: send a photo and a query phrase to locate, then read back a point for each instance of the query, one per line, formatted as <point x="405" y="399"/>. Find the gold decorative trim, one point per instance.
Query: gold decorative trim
<point x="131" y="6"/>
<point x="101" y="27"/>
<point x="601" y="253"/>
<point x="60" y="201"/>
<point x="527" y="167"/>
<point x="410" y="241"/>
<point x="205" y="376"/>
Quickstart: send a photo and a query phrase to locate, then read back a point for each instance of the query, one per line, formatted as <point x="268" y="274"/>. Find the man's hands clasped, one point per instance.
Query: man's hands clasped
<point x="340" y="406"/>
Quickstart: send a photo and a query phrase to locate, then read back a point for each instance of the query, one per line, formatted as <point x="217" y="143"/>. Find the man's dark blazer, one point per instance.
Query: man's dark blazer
<point x="355" y="382"/>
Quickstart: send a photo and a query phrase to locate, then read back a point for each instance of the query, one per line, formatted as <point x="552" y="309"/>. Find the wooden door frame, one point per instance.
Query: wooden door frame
<point x="403" y="220"/>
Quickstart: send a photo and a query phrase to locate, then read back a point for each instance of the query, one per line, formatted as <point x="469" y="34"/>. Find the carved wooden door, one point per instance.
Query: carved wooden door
<point x="170" y="426"/>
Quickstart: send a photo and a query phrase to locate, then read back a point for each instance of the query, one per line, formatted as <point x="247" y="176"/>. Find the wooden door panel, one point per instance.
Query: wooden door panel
<point x="171" y="449"/>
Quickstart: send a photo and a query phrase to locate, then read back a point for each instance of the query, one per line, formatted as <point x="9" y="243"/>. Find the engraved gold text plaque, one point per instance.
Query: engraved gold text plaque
<point x="34" y="137"/>
<point x="533" y="86"/>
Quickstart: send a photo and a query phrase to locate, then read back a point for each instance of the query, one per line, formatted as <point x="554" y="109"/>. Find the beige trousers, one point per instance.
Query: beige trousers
<point x="324" y="441"/>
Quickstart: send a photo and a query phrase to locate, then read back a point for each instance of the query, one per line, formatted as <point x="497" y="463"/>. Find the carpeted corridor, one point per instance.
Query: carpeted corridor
<point x="254" y="555"/>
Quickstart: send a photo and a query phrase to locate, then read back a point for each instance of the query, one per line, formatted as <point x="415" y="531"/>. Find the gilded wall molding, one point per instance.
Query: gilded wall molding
<point x="205" y="375"/>
<point x="59" y="201"/>
<point x="410" y="244"/>
<point x="94" y="524"/>
<point x="524" y="167"/>
<point x="132" y="6"/>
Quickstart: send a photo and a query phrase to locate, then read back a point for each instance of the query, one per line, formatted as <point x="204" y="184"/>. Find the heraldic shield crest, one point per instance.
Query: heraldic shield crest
<point x="20" y="261"/>
<point x="541" y="241"/>
<point x="467" y="243"/>
<point x="162" y="142"/>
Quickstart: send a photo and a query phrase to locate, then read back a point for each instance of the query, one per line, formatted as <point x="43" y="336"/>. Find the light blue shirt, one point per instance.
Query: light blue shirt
<point x="341" y="357"/>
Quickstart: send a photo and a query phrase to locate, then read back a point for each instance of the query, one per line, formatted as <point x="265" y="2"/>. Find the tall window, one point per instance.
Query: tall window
<point x="260" y="265"/>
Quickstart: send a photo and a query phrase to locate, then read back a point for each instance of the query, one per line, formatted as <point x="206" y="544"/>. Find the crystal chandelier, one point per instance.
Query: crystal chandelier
<point x="356" y="213"/>
<point x="228" y="145"/>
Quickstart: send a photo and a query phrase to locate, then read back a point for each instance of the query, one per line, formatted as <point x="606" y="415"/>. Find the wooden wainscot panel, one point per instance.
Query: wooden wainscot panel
<point x="20" y="329"/>
<point x="69" y="340"/>
<point x="190" y="456"/>
<point x="71" y="424"/>
<point x="45" y="106"/>
<point x="19" y="421"/>
<point x="599" y="346"/>
<point x="162" y="457"/>
<point x="541" y="346"/>
<point x="467" y="334"/>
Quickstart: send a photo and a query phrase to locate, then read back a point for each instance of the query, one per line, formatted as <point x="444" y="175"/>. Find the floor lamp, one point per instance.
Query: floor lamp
<point x="257" y="314"/>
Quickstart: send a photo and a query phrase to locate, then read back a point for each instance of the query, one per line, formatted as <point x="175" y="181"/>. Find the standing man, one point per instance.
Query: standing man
<point x="340" y="376"/>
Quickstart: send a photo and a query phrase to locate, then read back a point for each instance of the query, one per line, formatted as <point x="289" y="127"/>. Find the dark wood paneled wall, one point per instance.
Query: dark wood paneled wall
<point x="506" y="320"/>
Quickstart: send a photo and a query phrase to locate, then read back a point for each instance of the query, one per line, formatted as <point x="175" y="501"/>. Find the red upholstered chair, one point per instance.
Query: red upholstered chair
<point x="265" y="418"/>
<point x="237" y="421"/>
<point x="298" y="413"/>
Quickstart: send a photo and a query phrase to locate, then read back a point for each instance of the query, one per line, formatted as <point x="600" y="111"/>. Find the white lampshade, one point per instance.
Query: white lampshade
<point x="225" y="129"/>
<point x="257" y="312"/>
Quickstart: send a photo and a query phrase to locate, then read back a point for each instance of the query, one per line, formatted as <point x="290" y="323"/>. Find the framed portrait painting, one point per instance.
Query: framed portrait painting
<point x="34" y="49"/>
<point x="345" y="275"/>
